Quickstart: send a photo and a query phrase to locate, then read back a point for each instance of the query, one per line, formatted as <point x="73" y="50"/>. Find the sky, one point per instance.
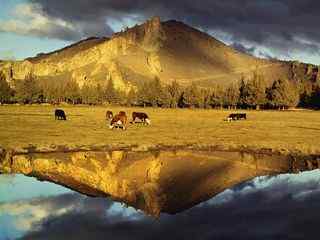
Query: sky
<point x="284" y="29"/>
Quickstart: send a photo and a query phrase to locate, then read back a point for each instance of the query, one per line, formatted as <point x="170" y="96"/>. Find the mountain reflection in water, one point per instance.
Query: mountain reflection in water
<point x="279" y="207"/>
<point x="154" y="181"/>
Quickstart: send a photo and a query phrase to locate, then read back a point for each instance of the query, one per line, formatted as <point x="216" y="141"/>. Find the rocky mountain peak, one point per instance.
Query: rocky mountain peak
<point x="148" y="35"/>
<point x="170" y="50"/>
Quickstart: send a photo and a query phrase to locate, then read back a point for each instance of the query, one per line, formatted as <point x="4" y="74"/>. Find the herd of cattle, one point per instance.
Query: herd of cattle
<point x="120" y="119"/>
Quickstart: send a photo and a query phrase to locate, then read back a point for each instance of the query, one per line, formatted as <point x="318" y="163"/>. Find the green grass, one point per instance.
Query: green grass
<point x="21" y="126"/>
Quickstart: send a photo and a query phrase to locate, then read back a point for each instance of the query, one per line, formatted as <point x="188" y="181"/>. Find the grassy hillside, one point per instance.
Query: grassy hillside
<point x="21" y="126"/>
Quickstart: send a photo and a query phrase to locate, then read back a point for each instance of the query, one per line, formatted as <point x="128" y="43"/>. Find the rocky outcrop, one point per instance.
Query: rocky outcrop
<point x="153" y="181"/>
<point x="305" y="72"/>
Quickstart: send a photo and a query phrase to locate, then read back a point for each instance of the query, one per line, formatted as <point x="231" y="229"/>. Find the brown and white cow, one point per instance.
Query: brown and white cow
<point x="142" y="116"/>
<point x="119" y="121"/>
<point x="122" y="113"/>
<point x="236" y="116"/>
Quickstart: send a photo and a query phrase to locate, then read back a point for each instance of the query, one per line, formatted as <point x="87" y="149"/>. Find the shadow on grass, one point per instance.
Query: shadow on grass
<point x="307" y="128"/>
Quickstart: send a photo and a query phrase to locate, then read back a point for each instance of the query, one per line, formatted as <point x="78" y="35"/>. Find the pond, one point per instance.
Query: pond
<point x="243" y="206"/>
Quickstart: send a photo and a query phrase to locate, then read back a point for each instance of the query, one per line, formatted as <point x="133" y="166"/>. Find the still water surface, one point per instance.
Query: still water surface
<point x="280" y="207"/>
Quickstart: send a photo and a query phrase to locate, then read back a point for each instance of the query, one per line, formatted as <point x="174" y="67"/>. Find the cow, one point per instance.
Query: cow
<point x="109" y="115"/>
<point x="123" y="113"/>
<point x="236" y="116"/>
<point x="242" y="116"/>
<point x="119" y="121"/>
<point x="142" y="116"/>
<point x="59" y="114"/>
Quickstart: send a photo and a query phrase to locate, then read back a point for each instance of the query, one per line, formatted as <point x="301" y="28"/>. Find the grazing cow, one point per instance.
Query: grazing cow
<point x="59" y="114"/>
<point x="122" y="113"/>
<point x="236" y="116"/>
<point x="142" y="116"/>
<point x="119" y="121"/>
<point x="242" y="116"/>
<point x="109" y="115"/>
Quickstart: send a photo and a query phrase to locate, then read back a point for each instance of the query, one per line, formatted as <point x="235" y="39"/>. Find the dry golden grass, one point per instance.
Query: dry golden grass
<point x="21" y="126"/>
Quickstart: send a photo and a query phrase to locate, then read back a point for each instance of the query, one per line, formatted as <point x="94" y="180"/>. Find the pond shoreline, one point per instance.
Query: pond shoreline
<point x="31" y="149"/>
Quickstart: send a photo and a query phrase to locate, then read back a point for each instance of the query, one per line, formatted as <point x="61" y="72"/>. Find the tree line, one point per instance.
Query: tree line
<point x="252" y="93"/>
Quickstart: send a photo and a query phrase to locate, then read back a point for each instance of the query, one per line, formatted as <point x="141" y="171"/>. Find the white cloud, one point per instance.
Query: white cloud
<point x="29" y="19"/>
<point x="27" y="214"/>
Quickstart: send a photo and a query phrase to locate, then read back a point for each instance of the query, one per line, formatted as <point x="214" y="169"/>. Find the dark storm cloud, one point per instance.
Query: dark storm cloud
<point x="285" y="25"/>
<point x="283" y="207"/>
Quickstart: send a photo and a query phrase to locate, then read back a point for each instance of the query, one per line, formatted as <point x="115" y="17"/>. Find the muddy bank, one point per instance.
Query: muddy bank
<point x="52" y="148"/>
<point x="155" y="180"/>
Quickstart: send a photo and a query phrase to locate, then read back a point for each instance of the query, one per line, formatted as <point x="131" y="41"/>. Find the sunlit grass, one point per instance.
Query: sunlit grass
<point x="35" y="125"/>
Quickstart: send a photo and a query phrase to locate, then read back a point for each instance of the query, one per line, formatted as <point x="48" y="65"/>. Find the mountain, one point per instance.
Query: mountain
<point x="170" y="50"/>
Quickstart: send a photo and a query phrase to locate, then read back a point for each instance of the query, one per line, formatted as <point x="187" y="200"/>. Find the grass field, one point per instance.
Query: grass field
<point x="21" y="126"/>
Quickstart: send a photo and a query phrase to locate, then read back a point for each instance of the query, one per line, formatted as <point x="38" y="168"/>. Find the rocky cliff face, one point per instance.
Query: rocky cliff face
<point x="169" y="50"/>
<point x="304" y="71"/>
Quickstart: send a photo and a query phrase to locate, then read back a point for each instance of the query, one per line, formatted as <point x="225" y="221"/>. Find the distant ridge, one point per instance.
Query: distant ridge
<point x="70" y="49"/>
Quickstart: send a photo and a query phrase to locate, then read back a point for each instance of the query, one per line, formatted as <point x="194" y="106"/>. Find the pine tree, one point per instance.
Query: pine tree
<point x="52" y="90"/>
<point x="247" y="94"/>
<point x="111" y="94"/>
<point x="306" y="89"/>
<point x="231" y="97"/>
<point x="131" y="98"/>
<point x="89" y="94"/>
<point x="192" y="95"/>
<point x="152" y="94"/>
<point x="72" y="91"/>
<point x="165" y="98"/>
<point x="217" y="97"/>
<point x="143" y="94"/>
<point x="253" y="92"/>
<point x="315" y="97"/>
<point x="205" y="98"/>
<point x="182" y="102"/>
<point x="58" y="93"/>
<point x="283" y="94"/>
<point x="100" y="94"/>
<point x="28" y="90"/>
<point x="259" y="87"/>
<point x="5" y="90"/>
<point x="155" y="93"/>
<point x="121" y="97"/>
<point x="174" y="93"/>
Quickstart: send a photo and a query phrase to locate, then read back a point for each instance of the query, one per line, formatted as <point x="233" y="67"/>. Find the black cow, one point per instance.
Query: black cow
<point x="236" y="116"/>
<point x="59" y="114"/>
<point x="109" y="115"/>
<point x="142" y="116"/>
